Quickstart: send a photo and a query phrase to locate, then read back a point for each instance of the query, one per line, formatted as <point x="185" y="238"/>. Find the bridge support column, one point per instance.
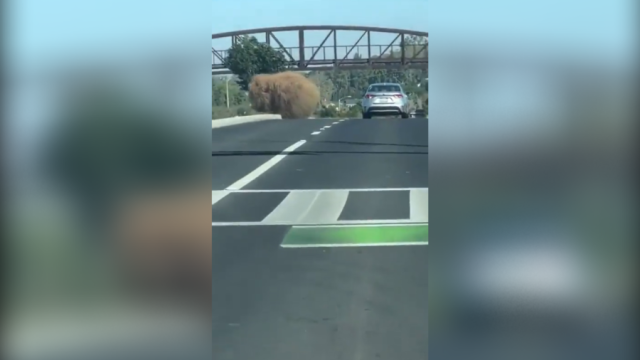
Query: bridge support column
<point x="402" y="53"/>
<point x="369" y="47"/>
<point x="335" y="48"/>
<point x="301" y="48"/>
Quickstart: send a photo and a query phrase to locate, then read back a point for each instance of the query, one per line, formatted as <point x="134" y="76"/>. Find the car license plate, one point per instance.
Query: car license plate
<point x="383" y="100"/>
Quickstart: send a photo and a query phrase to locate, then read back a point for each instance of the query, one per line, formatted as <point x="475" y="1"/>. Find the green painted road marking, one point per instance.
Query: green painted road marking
<point x="358" y="235"/>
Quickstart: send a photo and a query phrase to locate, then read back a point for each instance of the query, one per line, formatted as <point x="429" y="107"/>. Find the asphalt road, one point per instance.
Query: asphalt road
<point x="275" y="303"/>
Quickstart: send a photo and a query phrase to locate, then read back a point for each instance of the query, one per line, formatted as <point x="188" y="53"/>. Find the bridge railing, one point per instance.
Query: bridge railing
<point x="342" y="54"/>
<point x="407" y="49"/>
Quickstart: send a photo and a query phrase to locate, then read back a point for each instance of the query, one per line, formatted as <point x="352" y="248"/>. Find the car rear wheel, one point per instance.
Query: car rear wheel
<point x="404" y="116"/>
<point x="366" y="116"/>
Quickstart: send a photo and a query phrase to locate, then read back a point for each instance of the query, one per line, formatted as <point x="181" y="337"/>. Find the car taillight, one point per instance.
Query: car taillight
<point x="398" y="95"/>
<point x="369" y="96"/>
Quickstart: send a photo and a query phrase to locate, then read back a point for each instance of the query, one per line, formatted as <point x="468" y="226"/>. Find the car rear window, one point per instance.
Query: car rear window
<point x="385" y="88"/>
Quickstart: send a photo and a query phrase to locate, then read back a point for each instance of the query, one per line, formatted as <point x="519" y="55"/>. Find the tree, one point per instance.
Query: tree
<point x="340" y="81"/>
<point x="219" y="93"/>
<point x="247" y="57"/>
<point x="324" y="84"/>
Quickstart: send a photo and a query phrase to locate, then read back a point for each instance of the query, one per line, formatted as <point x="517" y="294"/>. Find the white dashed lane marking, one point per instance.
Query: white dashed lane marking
<point x="264" y="167"/>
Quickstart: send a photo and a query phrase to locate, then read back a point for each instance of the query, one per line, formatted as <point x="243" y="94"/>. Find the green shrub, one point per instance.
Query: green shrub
<point x="328" y="112"/>
<point x="244" y="111"/>
<point x="219" y="112"/>
<point x="354" y="111"/>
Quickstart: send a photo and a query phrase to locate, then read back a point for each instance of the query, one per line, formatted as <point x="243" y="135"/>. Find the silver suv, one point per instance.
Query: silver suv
<point x="385" y="99"/>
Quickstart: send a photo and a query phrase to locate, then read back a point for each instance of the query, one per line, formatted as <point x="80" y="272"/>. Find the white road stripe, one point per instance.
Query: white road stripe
<point x="217" y="195"/>
<point x="419" y="205"/>
<point x="316" y="190"/>
<point x="291" y="208"/>
<point x="315" y="133"/>
<point x="357" y="225"/>
<point x="335" y="122"/>
<point x="326" y="207"/>
<point x="264" y="167"/>
<point x="341" y="222"/>
<point x="407" y="243"/>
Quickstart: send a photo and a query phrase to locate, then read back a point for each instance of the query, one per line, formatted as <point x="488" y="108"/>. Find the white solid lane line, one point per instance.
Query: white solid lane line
<point x="419" y="205"/>
<point x="357" y="225"/>
<point x="264" y="167"/>
<point x="407" y="243"/>
<point x="217" y="195"/>
<point x="291" y="208"/>
<point x="326" y="208"/>
<point x="315" y="190"/>
<point x="316" y="223"/>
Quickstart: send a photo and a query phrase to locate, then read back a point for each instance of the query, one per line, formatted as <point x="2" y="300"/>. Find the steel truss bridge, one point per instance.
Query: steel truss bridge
<point x="407" y="49"/>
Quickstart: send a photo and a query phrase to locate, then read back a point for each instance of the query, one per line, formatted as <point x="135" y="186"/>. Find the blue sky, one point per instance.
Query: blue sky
<point x="404" y="14"/>
<point x="40" y="29"/>
<point x="601" y="26"/>
<point x="76" y="30"/>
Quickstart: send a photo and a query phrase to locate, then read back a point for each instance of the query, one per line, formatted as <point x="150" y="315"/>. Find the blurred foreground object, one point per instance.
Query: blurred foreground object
<point x="108" y="181"/>
<point x="533" y="181"/>
<point x="127" y="185"/>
